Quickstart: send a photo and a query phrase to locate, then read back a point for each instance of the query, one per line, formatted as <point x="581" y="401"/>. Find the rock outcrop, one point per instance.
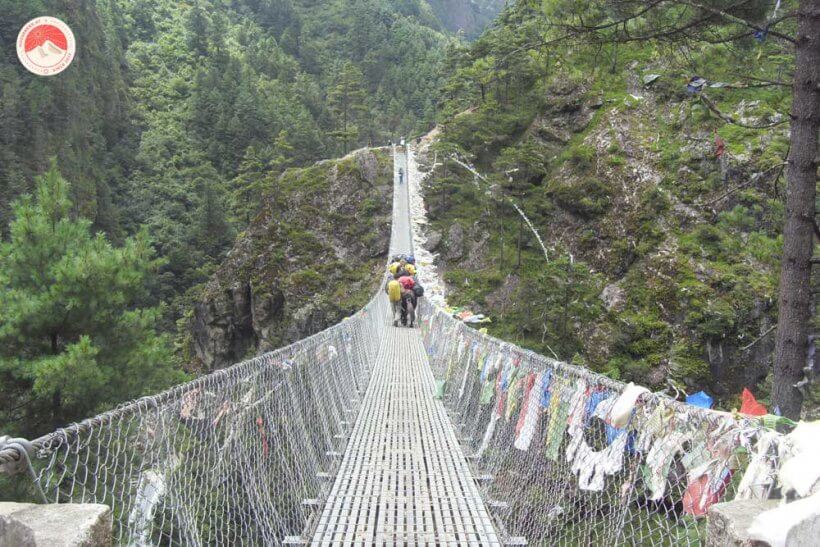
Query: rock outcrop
<point x="308" y="259"/>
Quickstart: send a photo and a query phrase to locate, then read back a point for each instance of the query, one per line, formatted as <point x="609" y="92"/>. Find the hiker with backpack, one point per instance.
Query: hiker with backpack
<point x="410" y="266"/>
<point x="408" y="300"/>
<point x="408" y="310"/>
<point x="403" y="290"/>
<point x="399" y="270"/>
<point x="418" y="292"/>
<point x="394" y="294"/>
<point x="394" y="267"/>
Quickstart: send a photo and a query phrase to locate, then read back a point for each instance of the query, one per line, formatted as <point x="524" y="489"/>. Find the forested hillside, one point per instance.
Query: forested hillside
<point x="174" y="111"/>
<point x="173" y="123"/>
<point x="660" y="197"/>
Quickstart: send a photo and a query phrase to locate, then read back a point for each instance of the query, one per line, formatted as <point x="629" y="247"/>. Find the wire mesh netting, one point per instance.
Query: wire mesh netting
<point x="231" y="458"/>
<point x="566" y="458"/>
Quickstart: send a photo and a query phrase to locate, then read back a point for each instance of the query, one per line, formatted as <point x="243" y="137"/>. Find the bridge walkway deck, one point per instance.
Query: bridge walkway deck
<point x="403" y="479"/>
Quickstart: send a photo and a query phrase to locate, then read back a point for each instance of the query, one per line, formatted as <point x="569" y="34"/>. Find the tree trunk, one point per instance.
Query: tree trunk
<point x="520" y="235"/>
<point x="794" y="312"/>
<point x="56" y="397"/>
<point x="344" y="124"/>
<point x="500" y="212"/>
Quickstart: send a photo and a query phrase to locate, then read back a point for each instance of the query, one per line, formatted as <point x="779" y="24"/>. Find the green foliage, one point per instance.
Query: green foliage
<point x="307" y="281"/>
<point x="563" y="297"/>
<point x="81" y="117"/>
<point x="487" y="130"/>
<point x="713" y="320"/>
<point x="256" y="168"/>
<point x="643" y="335"/>
<point x="588" y="197"/>
<point x="688" y="366"/>
<point x="74" y="334"/>
<point x="524" y="164"/>
<point x="580" y="156"/>
<point x="654" y="202"/>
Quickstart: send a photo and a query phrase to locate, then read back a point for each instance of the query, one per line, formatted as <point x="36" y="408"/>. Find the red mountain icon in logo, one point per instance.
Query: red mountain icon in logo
<point x="46" y="46"/>
<point x="41" y="34"/>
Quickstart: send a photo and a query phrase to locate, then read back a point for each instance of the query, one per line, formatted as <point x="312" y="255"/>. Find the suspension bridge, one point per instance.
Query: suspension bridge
<point x="366" y="434"/>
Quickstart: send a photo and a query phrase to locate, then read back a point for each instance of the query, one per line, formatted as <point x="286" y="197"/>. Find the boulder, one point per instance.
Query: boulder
<point x="327" y="216"/>
<point x="433" y="240"/>
<point x="223" y="327"/>
<point x="613" y="297"/>
<point x="369" y="167"/>
<point x="454" y="246"/>
<point x="728" y="522"/>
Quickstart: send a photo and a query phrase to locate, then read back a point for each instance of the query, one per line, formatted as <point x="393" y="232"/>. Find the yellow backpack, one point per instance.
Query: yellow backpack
<point x="409" y="268"/>
<point x="394" y="267"/>
<point x="394" y="291"/>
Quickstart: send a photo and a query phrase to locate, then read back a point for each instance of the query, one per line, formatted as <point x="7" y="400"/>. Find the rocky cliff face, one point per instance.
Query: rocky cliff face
<point x="308" y="259"/>
<point x="663" y="258"/>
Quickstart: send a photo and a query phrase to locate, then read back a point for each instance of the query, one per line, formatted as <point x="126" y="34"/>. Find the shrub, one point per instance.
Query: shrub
<point x="688" y="366"/>
<point x="581" y="156"/>
<point x="588" y="198"/>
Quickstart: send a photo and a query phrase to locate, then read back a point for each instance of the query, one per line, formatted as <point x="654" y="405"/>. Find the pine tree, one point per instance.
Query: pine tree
<point x="346" y="100"/>
<point x="73" y="334"/>
<point x="258" y="165"/>
<point x="212" y="233"/>
<point x="197" y="31"/>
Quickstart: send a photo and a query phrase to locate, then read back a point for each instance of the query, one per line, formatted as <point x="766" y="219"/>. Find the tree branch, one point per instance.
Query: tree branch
<point x="649" y="7"/>
<point x="754" y="179"/>
<point x="728" y="119"/>
<point x="759" y="338"/>
<point x="727" y="39"/>
<point x="736" y="20"/>
<point x="763" y="80"/>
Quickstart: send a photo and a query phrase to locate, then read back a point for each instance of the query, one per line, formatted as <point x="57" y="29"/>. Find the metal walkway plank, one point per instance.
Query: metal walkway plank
<point x="403" y="479"/>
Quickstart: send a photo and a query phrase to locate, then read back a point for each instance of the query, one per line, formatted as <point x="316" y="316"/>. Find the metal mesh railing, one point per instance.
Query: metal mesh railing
<point x="232" y="458"/>
<point x="565" y="460"/>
